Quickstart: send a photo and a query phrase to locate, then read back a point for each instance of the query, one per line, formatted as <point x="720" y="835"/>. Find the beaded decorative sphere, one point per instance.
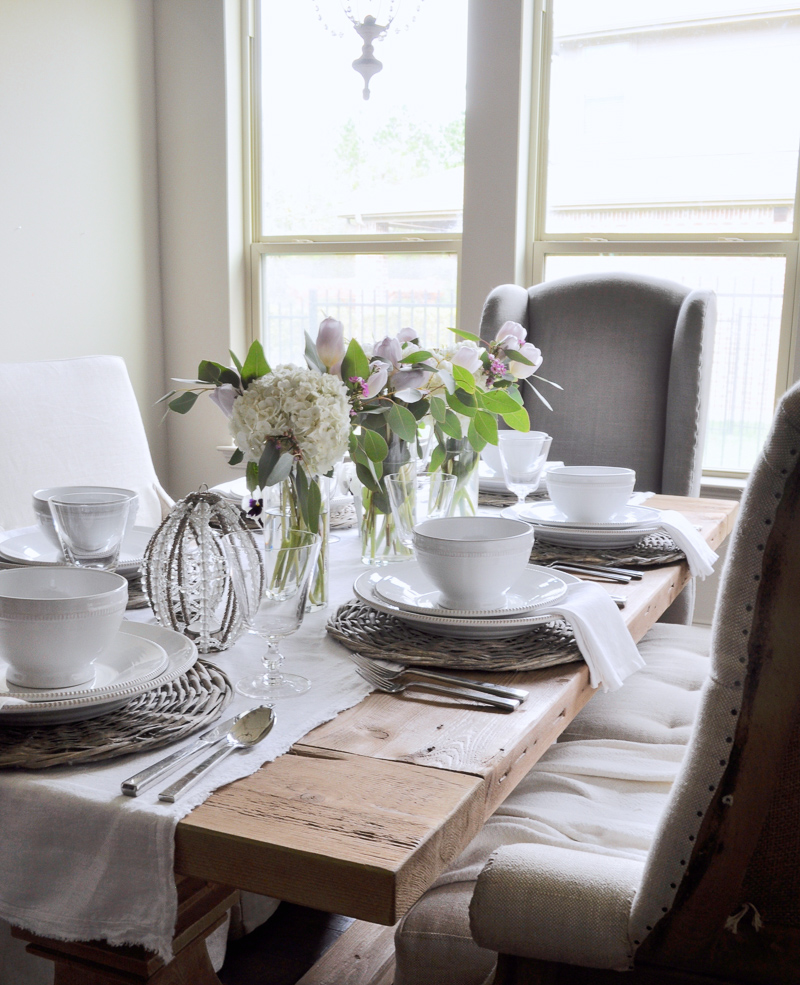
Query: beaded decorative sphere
<point x="185" y="573"/>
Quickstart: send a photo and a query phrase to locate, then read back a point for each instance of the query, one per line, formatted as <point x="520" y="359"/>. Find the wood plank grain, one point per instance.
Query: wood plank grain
<point x="432" y="732"/>
<point x="338" y="832"/>
<point x="363" y="955"/>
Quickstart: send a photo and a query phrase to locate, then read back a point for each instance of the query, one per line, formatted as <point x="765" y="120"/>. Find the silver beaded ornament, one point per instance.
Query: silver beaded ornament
<point x="185" y="573"/>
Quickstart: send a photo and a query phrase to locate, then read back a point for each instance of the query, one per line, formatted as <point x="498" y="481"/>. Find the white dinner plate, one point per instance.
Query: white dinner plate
<point x="30" y="546"/>
<point x="458" y="628"/>
<point x="583" y="537"/>
<point x="547" y="514"/>
<point x="76" y="704"/>
<point x="412" y="591"/>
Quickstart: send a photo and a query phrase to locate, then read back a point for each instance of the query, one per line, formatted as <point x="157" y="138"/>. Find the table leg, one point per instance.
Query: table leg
<point x="202" y="907"/>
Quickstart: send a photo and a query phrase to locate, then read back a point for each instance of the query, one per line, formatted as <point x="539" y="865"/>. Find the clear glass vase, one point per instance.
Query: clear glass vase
<point x="462" y="461"/>
<point x="380" y="543"/>
<point x="291" y="518"/>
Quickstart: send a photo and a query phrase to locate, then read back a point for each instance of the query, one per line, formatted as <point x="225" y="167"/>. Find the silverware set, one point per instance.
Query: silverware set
<point x="394" y="678"/>
<point x="239" y="732"/>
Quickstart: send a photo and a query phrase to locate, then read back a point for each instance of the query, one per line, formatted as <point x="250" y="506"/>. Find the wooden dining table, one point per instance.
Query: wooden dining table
<point x="362" y="815"/>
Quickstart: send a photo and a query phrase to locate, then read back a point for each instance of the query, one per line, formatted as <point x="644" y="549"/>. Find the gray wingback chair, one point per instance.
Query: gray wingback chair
<point x="633" y="355"/>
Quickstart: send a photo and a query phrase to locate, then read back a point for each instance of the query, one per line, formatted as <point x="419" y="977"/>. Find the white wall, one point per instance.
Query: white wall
<point x="79" y="264"/>
<point x="198" y="98"/>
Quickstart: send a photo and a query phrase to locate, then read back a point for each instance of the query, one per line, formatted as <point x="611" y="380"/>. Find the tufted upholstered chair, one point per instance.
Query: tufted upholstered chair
<point x="633" y="355"/>
<point x="72" y="422"/>
<point x="660" y="836"/>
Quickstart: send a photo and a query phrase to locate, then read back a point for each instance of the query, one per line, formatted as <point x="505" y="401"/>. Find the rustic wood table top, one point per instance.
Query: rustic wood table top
<point x="362" y="815"/>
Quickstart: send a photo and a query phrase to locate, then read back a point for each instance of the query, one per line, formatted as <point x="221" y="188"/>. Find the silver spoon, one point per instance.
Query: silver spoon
<point x="245" y="732"/>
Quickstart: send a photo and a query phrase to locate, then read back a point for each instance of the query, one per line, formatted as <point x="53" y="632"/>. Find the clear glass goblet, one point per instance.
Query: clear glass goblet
<point x="523" y="455"/>
<point x="271" y="585"/>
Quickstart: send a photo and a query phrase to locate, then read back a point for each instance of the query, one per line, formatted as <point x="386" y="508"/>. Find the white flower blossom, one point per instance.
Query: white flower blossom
<point x="310" y="409"/>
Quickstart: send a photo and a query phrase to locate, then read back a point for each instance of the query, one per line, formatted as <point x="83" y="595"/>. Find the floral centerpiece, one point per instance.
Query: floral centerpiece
<point x="294" y="424"/>
<point x="290" y="425"/>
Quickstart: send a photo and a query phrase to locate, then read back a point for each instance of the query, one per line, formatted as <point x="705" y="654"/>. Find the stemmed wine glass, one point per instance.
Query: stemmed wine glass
<point x="523" y="455"/>
<point x="271" y="585"/>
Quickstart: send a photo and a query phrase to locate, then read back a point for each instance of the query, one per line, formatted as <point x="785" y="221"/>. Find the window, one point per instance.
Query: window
<point x="668" y="145"/>
<point x="357" y="203"/>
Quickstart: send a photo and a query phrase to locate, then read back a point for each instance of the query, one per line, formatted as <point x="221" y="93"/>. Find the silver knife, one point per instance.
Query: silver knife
<point x="140" y="781"/>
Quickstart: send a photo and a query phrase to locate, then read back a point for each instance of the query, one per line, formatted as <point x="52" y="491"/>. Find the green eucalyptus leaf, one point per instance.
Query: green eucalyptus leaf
<point x="184" y="403"/>
<point x="475" y="438"/>
<point x="438" y="409"/>
<point x="515" y="356"/>
<point x="451" y="425"/>
<point x="313" y="507"/>
<point x="519" y="420"/>
<point x="208" y="371"/>
<point x="419" y="408"/>
<point x="500" y="401"/>
<point x="366" y="478"/>
<point x="539" y="395"/>
<point x="355" y="363"/>
<point x="463" y="403"/>
<point x="255" y="365"/>
<point x="252" y="476"/>
<point x="236" y="457"/>
<point x="374" y="445"/>
<point x="466" y="335"/>
<point x="464" y="379"/>
<point x="486" y="426"/>
<point x="167" y="396"/>
<point x="437" y="458"/>
<point x="235" y="360"/>
<point x="416" y="357"/>
<point x="402" y="422"/>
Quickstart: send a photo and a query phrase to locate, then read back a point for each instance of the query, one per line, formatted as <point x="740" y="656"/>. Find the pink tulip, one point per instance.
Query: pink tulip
<point x="330" y="342"/>
<point x="224" y="397"/>
<point x="467" y="357"/>
<point x="522" y="370"/>
<point x="511" y="330"/>
<point x="376" y="382"/>
<point x="389" y="350"/>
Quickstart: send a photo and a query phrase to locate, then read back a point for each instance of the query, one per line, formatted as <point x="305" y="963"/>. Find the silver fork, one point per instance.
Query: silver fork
<point x="397" y="687"/>
<point x="392" y="671"/>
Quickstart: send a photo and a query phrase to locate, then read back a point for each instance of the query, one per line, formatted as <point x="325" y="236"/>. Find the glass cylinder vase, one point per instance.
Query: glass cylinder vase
<point x="380" y="543"/>
<point x="462" y="461"/>
<point x="291" y="517"/>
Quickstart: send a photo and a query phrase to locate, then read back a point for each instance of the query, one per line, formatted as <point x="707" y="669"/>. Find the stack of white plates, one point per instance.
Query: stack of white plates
<point x="410" y="596"/>
<point x="142" y="658"/>
<point x="623" y="529"/>
<point x="28" y="545"/>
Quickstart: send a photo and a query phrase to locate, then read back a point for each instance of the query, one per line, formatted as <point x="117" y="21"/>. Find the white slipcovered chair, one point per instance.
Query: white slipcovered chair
<point x="659" y="837"/>
<point x="72" y="422"/>
<point x="633" y="355"/>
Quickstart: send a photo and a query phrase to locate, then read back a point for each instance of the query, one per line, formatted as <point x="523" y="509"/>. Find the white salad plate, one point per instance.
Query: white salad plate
<point x="144" y="658"/>
<point x="412" y="591"/>
<point x="589" y="537"/>
<point x="30" y="546"/>
<point x="456" y="627"/>
<point x="547" y="514"/>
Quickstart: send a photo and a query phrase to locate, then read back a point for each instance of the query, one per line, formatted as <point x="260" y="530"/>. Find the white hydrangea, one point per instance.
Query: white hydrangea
<point x="307" y="407"/>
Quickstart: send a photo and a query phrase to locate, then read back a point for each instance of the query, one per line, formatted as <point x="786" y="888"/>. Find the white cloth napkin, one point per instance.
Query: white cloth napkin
<point x="700" y="556"/>
<point x="601" y="635"/>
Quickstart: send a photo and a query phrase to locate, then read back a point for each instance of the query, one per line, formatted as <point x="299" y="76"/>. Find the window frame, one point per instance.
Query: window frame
<point x="259" y="245"/>
<point x="542" y="243"/>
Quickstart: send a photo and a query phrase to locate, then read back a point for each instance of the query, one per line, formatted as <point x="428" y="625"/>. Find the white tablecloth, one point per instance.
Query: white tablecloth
<point x="78" y="861"/>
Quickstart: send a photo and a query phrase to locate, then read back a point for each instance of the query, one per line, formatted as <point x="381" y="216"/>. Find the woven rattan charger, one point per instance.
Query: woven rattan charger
<point x="151" y="720"/>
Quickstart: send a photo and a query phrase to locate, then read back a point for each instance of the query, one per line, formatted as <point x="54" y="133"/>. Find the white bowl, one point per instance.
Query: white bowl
<point x="55" y="622"/>
<point x="590" y="493"/>
<point x="473" y="560"/>
<point x="44" y="517"/>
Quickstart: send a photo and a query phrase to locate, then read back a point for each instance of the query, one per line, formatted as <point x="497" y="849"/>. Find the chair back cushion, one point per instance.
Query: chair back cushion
<point x="71" y="422"/>
<point x="734" y="762"/>
<point x="632" y="354"/>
